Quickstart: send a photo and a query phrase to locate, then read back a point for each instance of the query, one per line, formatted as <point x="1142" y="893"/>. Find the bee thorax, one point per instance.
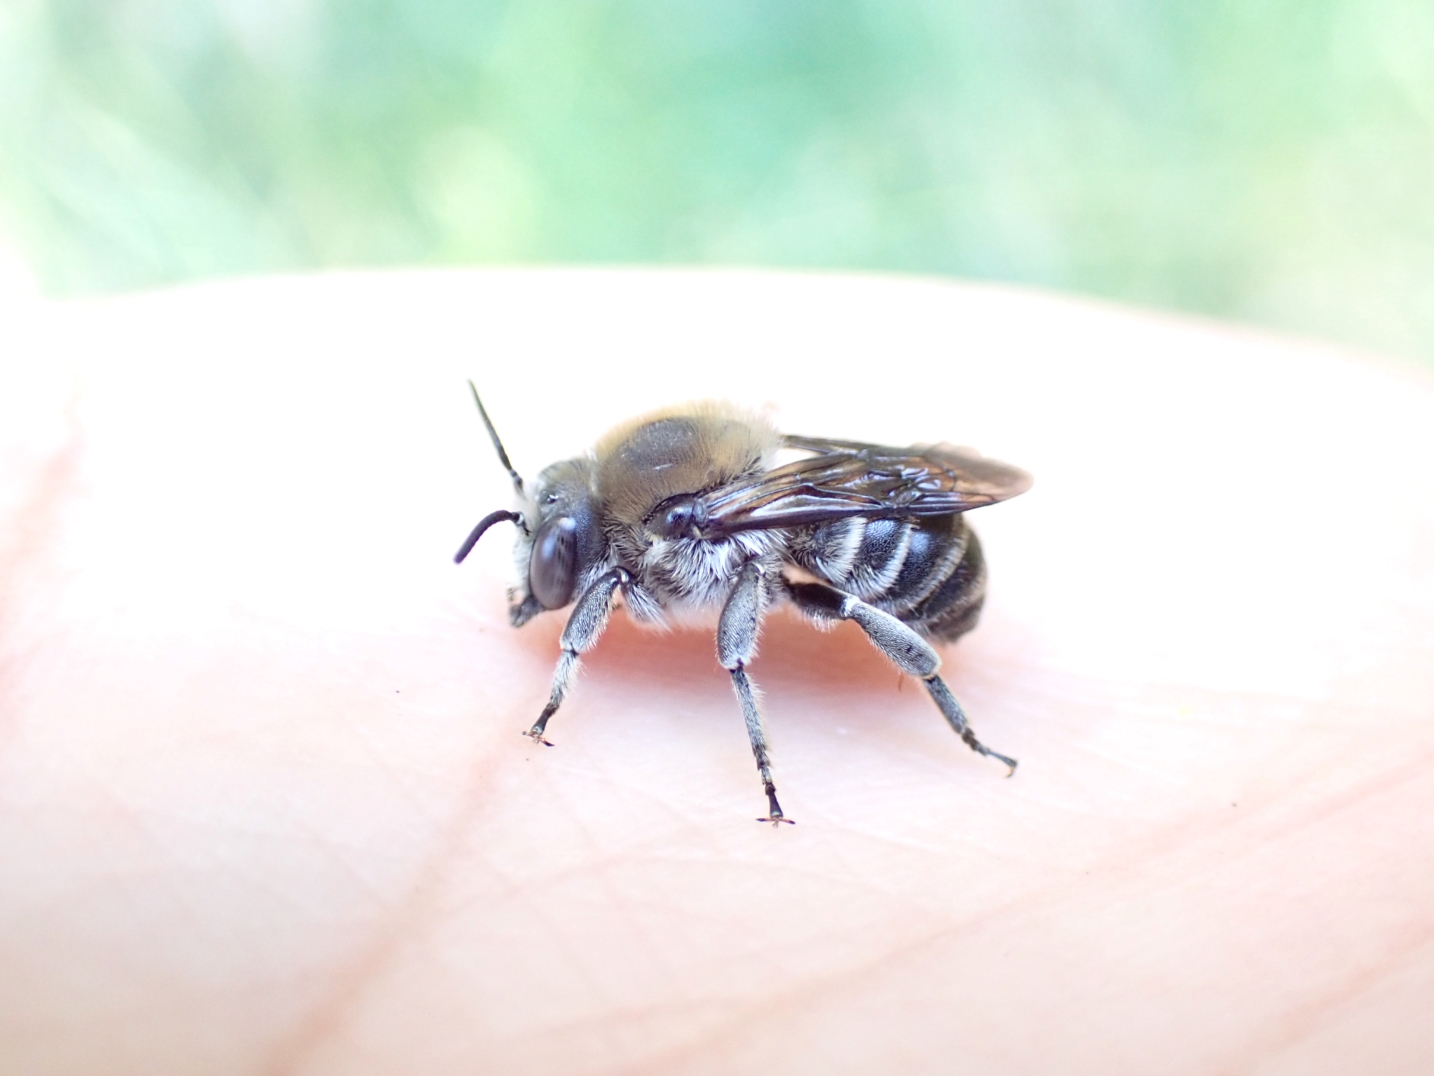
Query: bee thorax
<point x="694" y="574"/>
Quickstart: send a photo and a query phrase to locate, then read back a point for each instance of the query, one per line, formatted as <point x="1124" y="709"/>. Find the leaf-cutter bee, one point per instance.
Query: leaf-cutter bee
<point x="685" y="512"/>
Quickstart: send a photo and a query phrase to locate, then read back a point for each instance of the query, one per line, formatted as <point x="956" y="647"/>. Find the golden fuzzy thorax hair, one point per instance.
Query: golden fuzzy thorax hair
<point x="686" y="449"/>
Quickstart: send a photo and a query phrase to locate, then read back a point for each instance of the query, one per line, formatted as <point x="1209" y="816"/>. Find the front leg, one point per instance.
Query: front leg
<point x="584" y="628"/>
<point x="736" y="643"/>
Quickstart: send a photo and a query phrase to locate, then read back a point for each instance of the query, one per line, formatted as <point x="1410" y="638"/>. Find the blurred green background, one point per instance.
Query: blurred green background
<point x="1270" y="161"/>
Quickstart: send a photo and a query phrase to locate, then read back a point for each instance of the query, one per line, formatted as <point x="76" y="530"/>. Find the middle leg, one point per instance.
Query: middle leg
<point x="736" y="644"/>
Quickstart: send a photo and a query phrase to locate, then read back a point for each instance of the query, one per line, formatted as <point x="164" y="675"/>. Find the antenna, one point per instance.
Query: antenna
<point x="487" y="521"/>
<point x="498" y="444"/>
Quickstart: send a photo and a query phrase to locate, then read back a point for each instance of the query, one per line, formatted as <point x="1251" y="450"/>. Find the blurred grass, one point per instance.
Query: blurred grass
<point x="1270" y="161"/>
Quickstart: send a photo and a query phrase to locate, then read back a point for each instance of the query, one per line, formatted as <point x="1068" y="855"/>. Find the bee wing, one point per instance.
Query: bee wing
<point x="849" y="478"/>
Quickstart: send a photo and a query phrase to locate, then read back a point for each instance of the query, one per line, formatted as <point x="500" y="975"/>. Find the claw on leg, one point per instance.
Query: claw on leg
<point x="774" y="810"/>
<point x="536" y="733"/>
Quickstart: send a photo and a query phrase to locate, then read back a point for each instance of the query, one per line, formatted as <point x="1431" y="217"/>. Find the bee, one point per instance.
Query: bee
<point x="685" y="513"/>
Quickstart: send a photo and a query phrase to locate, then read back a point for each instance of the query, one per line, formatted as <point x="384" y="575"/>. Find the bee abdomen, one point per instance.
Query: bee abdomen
<point x="928" y="572"/>
<point x="861" y="557"/>
<point x="952" y="607"/>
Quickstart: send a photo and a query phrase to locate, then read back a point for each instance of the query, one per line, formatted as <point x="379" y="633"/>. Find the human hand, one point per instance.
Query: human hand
<point x="265" y="805"/>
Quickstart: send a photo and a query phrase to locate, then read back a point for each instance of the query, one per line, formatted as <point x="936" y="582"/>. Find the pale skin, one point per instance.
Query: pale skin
<point x="266" y="805"/>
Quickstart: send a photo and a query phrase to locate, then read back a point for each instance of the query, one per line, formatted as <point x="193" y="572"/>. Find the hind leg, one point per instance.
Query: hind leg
<point x="906" y="649"/>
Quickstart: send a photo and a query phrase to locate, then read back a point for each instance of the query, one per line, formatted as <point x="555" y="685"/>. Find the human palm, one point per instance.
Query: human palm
<point x="265" y="805"/>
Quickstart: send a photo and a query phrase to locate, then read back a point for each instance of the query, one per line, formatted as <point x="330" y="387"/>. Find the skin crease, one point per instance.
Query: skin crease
<point x="265" y="805"/>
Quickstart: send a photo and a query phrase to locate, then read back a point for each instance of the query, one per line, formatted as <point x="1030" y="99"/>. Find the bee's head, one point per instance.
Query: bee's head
<point x="560" y="542"/>
<point x="559" y="537"/>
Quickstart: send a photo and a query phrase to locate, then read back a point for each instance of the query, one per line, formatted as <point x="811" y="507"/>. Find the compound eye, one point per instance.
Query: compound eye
<point x="552" y="570"/>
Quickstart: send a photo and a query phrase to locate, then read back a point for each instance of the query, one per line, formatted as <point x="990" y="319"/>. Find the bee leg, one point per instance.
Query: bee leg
<point x="583" y="629"/>
<point x="736" y="644"/>
<point x="947" y="704"/>
<point x="906" y="649"/>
